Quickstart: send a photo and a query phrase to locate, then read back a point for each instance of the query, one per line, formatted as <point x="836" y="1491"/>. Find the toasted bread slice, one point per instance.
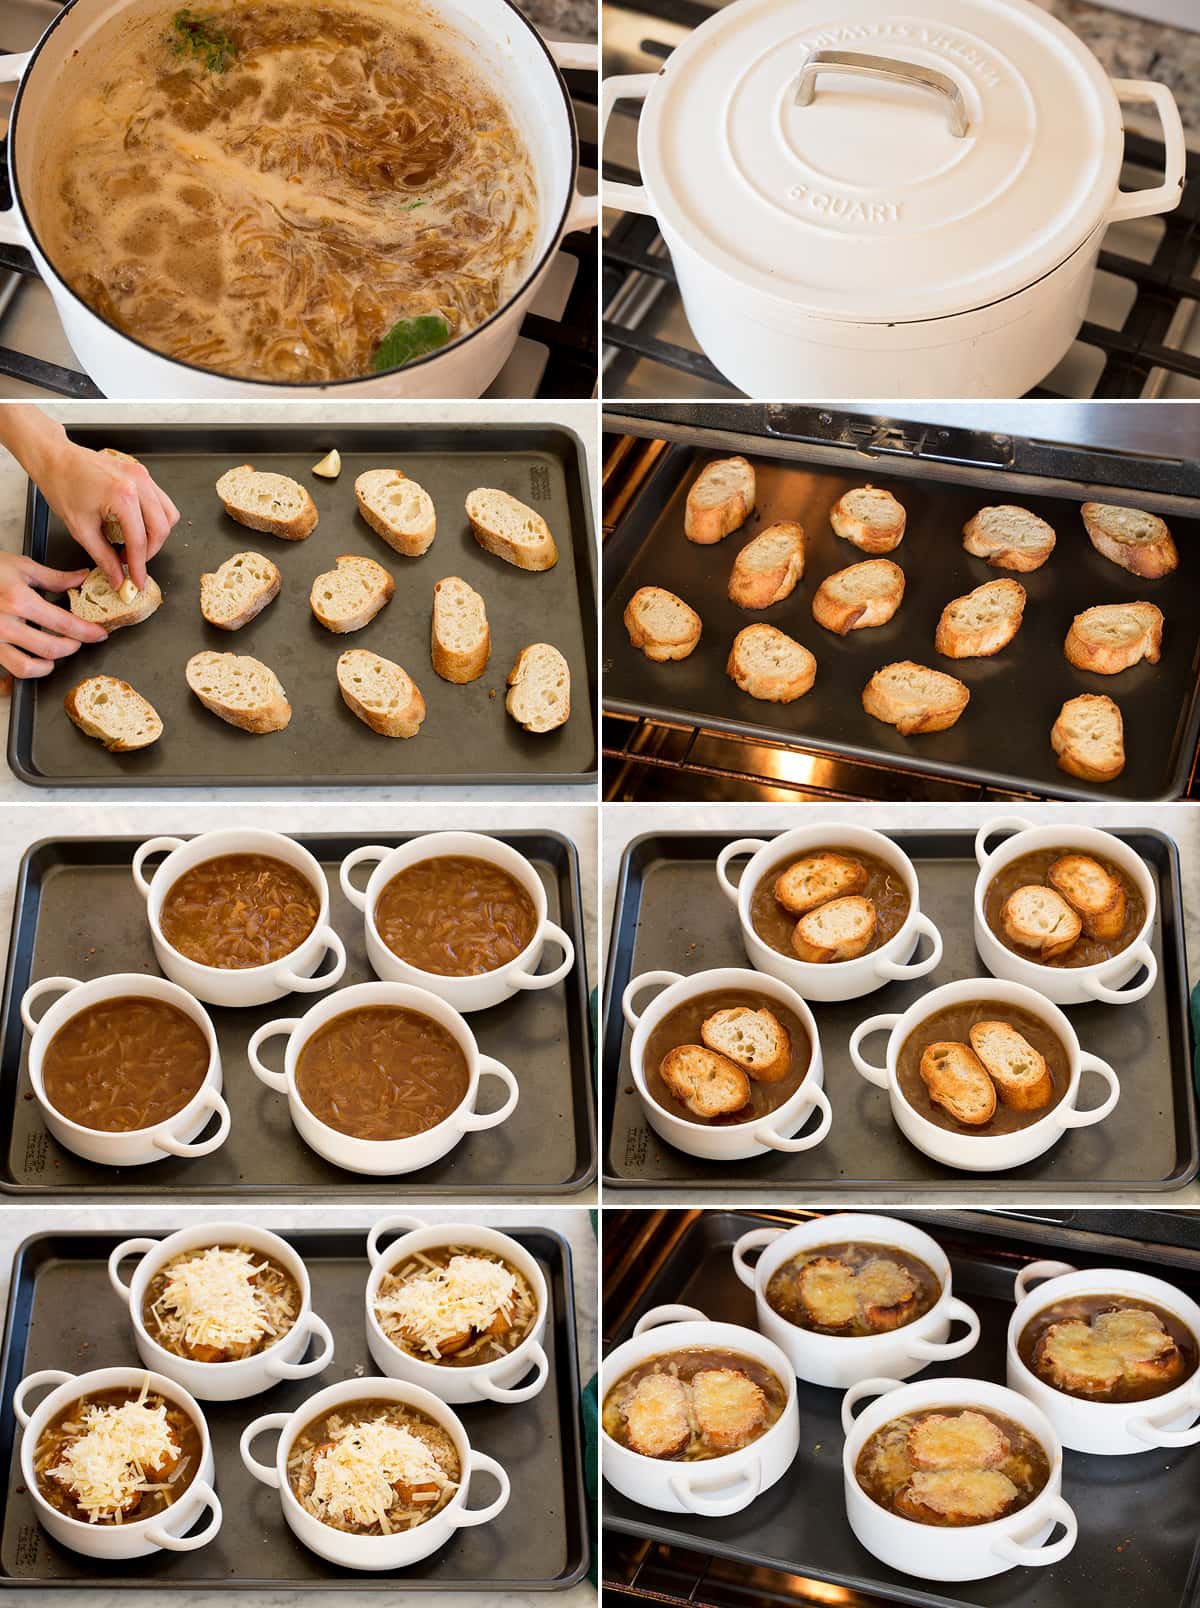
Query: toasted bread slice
<point x="710" y="1085"/>
<point x="1089" y="738"/>
<point x="397" y="509"/>
<point x="982" y="622"/>
<point x="721" y="499"/>
<point x="887" y="1293"/>
<point x="914" y="698"/>
<point x="818" y="878"/>
<point x="462" y="639"/>
<point x="1092" y="892"/>
<point x="768" y="567"/>
<point x="839" y="930"/>
<point x="1091" y="1359"/>
<point x="661" y="624"/>
<point x="269" y="502"/>
<point x="111" y="711"/>
<point x="957" y="1080"/>
<point x="955" y="1497"/>
<point x="510" y="529"/>
<point x="1040" y="919"/>
<point x="238" y="590"/>
<point x="1139" y="542"/>
<point x="757" y="1041"/>
<point x="1009" y="538"/>
<point x="539" y="688"/>
<point x="827" y="1289"/>
<point x="1113" y="636"/>
<point x="96" y="601"/>
<point x="768" y="664"/>
<point x="859" y="597"/>
<point x="657" y="1421"/>
<point x="348" y="597"/>
<point x="1019" y="1072"/>
<point x="870" y="518"/>
<point x="382" y="694"/>
<point x="958" y="1440"/>
<point x="244" y="692"/>
<point x="729" y="1406"/>
<point x="110" y="525"/>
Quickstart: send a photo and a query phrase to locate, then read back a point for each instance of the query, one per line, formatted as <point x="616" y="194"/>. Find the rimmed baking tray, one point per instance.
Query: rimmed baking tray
<point x="1138" y="1538"/>
<point x="78" y="914"/>
<point x="467" y="735"/>
<point x="1002" y="739"/>
<point x="671" y="914"/>
<point x="63" y="1313"/>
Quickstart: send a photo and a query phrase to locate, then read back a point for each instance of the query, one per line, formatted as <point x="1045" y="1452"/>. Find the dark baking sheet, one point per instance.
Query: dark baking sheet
<point x="63" y="1313"/>
<point x="1139" y="1544"/>
<point x="78" y="914"/>
<point x="671" y="914"/>
<point x="467" y="734"/>
<point x="1003" y="737"/>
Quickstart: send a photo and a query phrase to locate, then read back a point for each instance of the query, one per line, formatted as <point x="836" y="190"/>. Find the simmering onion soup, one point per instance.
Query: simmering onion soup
<point x="239" y="910"/>
<point x="693" y="1404"/>
<point x="382" y="1072"/>
<point x="953" y="1466"/>
<point x="456" y="1305"/>
<point x="373" y="1467"/>
<point x="220" y="1303"/>
<point x="266" y="188"/>
<point x="124" y="1064"/>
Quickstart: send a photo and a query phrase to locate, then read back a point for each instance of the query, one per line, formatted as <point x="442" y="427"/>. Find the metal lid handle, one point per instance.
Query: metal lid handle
<point x="889" y="68"/>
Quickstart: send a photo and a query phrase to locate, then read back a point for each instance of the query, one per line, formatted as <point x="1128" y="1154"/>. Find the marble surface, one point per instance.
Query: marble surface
<point x="1133" y="47"/>
<point x="562" y="19"/>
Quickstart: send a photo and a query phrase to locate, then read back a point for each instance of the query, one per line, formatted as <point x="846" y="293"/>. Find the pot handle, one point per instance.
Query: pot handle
<point x="945" y="1350"/>
<point x="1085" y="1119"/>
<point x="552" y="934"/>
<point x="313" y="985"/>
<point x="584" y="211"/>
<point x="893" y="71"/>
<point x="668" y="1314"/>
<point x="481" y="1463"/>
<point x="46" y="985"/>
<point x="265" y="1473"/>
<point x="1151" y="1434"/>
<point x="201" y="1147"/>
<point x="1127" y="996"/>
<point x="273" y="1080"/>
<point x="1035" y="1273"/>
<point x="767" y="1135"/>
<point x="654" y="979"/>
<point x="860" y="1392"/>
<point x="12" y="231"/>
<point x="527" y="1392"/>
<point x="867" y="1069"/>
<point x="1165" y="196"/>
<point x="45" y="1376"/>
<point x="394" y="1223"/>
<point x="630" y="86"/>
<point x="156" y="845"/>
<point x="734" y="851"/>
<point x="916" y="968"/>
<point x="364" y="852"/>
<point x="305" y="1370"/>
<point x="998" y="823"/>
<point x="1014" y="1551"/>
<point x="751" y="1242"/>
<point x="473" y="1121"/>
<point x="189" y="1543"/>
<point x="129" y="1247"/>
<point x="731" y="1497"/>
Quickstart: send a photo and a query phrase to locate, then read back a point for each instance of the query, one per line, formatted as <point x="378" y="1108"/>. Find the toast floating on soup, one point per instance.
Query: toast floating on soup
<point x="692" y="1405"/>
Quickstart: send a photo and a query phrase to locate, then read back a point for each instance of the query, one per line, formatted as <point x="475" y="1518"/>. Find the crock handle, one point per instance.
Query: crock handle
<point x="305" y="1370"/>
<point x="60" y="985"/>
<point x="752" y="1241"/>
<point x="314" y="985"/>
<point x="767" y="1135"/>
<point x="860" y="1392"/>
<point x="1014" y="1551"/>
<point x="555" y="935"/>
<point x="584" y="211"/>
<point x="1127" y="996"/>
<point x="129" y="1247"/>
<point x="892" y="71"/>
<point x="734" y="851"/>
<point x="654" y="979"/>
<point x="474" y="1121"/>
<point x="1150" y="1434"/>
<point x="946" y="1350"/>
<point x="998" y="823"/>
<point x="916" y="968"/>
<point x="46" y="1376"/>
<point x="731" y="1497"/>
<point x="867" y="1069"/>
<point x="481" y="1463"/>
<point x="1035" y="1273"/>
<point x="365" y="851"/>
<point x="668" y="1314"/>
<point x="157" y="845"/>
<point x="395" y="1223"/>
<point x="1162" y="197"/>
<point x="201" y="1147"/>
<point x="1085" y="1119"/>
<point x="264" y="1473"/>
<point x="630" y="86"/>
<point x="12" y="231"/>
<point x="273" y="1080"/>
<point x="527" y="1392"/>
<point x="190" y="1543"/>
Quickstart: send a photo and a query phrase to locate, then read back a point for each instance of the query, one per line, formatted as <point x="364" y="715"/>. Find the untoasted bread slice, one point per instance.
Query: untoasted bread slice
<point x="1089" y="738"/>
<point x="710" y="1085"/>
<point x="957" y="1496"/>
<point x="958" y="1440"/>
<point x="238" y="591"/>
<point x="818" y="878"/>
<point x="767" y="568"/>
<point x="1139" y="542"/>
<point x="539" y="688"/>
<point x="982" y="622"/>
<point x="1019" y="1072"/>
<point x="721" y="499"/>
<point x="1041" y="920"/>
<point x="870" y="518"/>
<point x="1009" y="538"/>
<point x="110" y="525"/>
<point x="768" y="664"/>
<point x="957" y="1080"/>
<point x="661" y="624"/>
<point x="111" y="711"/>
<point x="1113" y="636"/>
<point x="244" y="692"/>
<point x="1094" y="893"/>
<point x="381" y="693"/>
<point x="728" y="1405"/>
<point x="757" y="1041"/>
<point x="348" y="597"/>
<point x="914" y="698"/>
<point x="861" y="596"/>
<point x="462" y="639"/>
<point x="397" y="509"/>
<point x="269" y="502"/>
<point x="839" y="930"/>
<point x="657" y="1420"/>
<point x="96" y="601"/>
<point x="510" y="529"/>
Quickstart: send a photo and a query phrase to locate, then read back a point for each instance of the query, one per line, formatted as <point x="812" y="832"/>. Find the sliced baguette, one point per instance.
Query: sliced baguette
<point x="242" y="691"/>
<point x="859" y="597"/>
<point x="1113" y="636"/>
<point x="382" y="694"/>
<point x="768" y="664"/>
<point x="1092" y="892"/>
<point x="539" y="688"/>
<point x="1040" y="919"/>
<point x="957" y="1081"/>
<point x="506" y="527"/>
<point x="1139" y="542"/>
<point x="1089" y="738"/>
<point x="768" y="567"/>
<point x="710" y="1085"/>
<point x="1009" y="538"/>
<point x="397" y="509"/>
<point x="869" y="517"/>
<point x="268" y="502"/>
<point x="839" y="930"/>
<point x="721" y="498"/>
<point x="348" y="597"/>
<point x="661" y="624"/>
<point x="111" y="711"/>
<point x="757" y="1041"/>
<point x="818" y="878"/>
<point x="462" y="639"/>
<point x="96" y="602"/>
<point x="982" y="622"/>
<point x="238" y="591"/>
<point x="110" y="525"/>
<point x="1019" y="1072"/>
<point x="914" y="698"/>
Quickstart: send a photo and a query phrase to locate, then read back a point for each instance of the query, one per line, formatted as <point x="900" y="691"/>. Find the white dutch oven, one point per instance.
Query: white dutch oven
<point x="976" y="1551"/>
<point x="176" y="1135"/>
<point x="1066" y="985"/>
<point x="879" y="199"/>
<point x="735" y="1141"/>
<point x="244" y="985"/>
<point x="716" y="1486"/>
<point x="488" y="1381"/>
<point x="1111" y="1428"/>
<point x="983" y="1152"/>
<point x="842" y="979"/>
<point x="520" y="65"/>
<point x="374" y="1551"/>
<point x="247" y="1376"/>
<point x="464" y="993"/>
<point x="841" y="1360"/>
<point x="380" y="1156"/>
<point x="166" y="1531"/>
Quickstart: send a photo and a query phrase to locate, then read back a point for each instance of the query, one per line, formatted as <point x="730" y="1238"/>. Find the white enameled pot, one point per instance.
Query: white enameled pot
<point x="464" y="993"/>
<point x="499" y="1380"/>
<point x="842" y="1360"/>
<point x="885" y="199"/>
<point x="382" y="1156"/>
<point x="525" y="71"/>
<point x="983" y="1152"/>
<point x="736" y="1141"/>
<point x="972" y="1551"/>
<point x="247" y="1376"/>
<point x="713" y="1487"/>
<point x="1109" y="1428"/>
<point x="243" y="985"/>
<point x="374" y="1552"/>
<point x="175" y="1135"/>
<point x="166" y="1531"/>
<point x="842" y="979"/>
<point x="1065" y="985"/>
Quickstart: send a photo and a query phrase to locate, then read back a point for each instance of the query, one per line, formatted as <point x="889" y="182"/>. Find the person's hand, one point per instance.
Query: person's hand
<point x="34" y="634"/>
<point x="82" y="486"/>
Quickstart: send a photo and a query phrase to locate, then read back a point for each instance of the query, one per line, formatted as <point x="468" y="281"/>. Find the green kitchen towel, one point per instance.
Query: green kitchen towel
<point x="1196" y="1031"/>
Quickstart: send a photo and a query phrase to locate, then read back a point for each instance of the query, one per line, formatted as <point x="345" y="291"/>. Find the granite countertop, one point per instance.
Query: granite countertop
<point x="562" y="19"/>
<point x="1132" y="47"/>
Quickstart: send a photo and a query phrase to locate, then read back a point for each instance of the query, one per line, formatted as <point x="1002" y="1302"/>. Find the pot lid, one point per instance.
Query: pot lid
<point x="872" y="161"/>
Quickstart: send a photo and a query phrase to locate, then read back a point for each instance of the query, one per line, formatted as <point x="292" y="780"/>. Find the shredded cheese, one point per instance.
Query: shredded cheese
<point x="356" y="1475"/>
<point x="209" y="1299"/>
<point x="445" y="1302"/>
<point x="123" y="1452"/>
